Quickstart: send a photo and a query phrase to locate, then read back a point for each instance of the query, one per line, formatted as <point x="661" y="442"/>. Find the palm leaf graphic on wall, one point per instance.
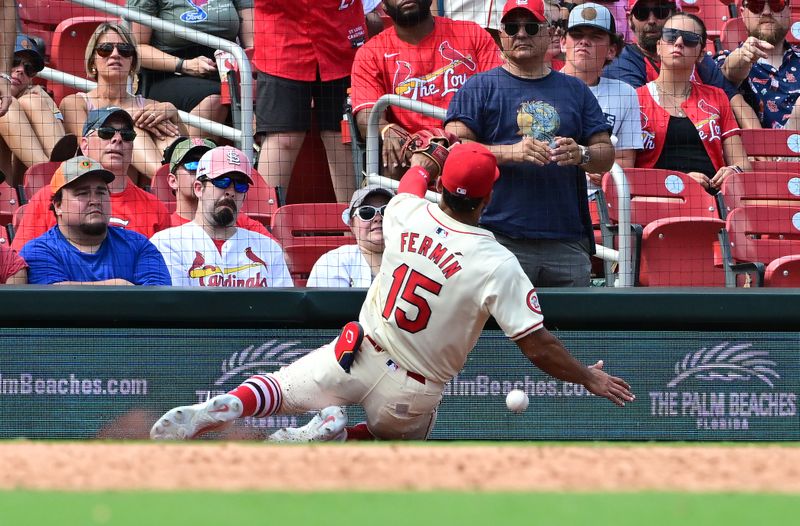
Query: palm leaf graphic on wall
<point x="265" y="358"/>
<point x="726" y="362"/>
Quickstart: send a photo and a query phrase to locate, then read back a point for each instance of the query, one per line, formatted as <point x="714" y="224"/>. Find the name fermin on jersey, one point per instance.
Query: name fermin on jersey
<point x="446" y="261"/>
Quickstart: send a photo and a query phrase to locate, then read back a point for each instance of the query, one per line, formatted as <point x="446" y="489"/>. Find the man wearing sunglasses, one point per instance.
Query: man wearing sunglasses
<point x="356" y="265"/>
<point x="107" y="137"/>
<point x="210" y="250"/>
<point x="81" y="249"/>
<point x="183" y="156"/>
<point x="547" y="131"/>
<point x="638" y="63"/>
<point x="769" y="64"/>
<point x="422" y="58"/>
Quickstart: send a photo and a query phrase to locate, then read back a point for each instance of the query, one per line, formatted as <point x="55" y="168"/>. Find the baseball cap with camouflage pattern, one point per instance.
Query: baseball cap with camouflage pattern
<point x="175" y="154"/>
<point x="73" y="169"/>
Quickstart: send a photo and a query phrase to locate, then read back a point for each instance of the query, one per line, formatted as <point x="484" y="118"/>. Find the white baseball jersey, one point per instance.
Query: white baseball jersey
<point x="246" y="259"/>
<point x="439" y="282"/>
<point x="344" y="266"/>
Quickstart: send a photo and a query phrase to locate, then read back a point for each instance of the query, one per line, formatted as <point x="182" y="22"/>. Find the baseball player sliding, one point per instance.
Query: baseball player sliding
<point x="440" y="280"/>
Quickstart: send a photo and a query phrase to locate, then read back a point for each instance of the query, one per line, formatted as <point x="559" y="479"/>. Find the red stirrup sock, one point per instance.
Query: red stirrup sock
<point x="359" y="432"/>
<point x="260" y="395"/>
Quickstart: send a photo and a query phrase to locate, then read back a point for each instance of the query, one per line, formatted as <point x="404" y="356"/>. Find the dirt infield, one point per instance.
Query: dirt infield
<point x="377" y="467"/>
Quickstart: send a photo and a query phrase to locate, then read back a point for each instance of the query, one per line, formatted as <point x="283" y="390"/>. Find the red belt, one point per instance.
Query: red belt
<point x="411" y="374"/>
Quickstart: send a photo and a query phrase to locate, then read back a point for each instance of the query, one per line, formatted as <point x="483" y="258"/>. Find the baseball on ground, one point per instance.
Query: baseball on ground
<point x="517" y="401"/>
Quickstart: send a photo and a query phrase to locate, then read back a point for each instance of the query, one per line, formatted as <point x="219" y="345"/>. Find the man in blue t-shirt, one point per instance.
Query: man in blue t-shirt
<point x="546" y="130"/>
<point x="81" y="249"/>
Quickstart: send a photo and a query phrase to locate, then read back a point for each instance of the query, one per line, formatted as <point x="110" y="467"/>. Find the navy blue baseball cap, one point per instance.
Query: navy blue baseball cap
<point x="25" y="45"/>
<point x="97" y="118"/>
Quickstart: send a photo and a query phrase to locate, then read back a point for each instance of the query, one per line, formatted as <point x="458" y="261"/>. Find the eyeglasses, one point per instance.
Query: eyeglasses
<point x="367" y="212"/>
<point x="670" y="36"/>
<point x="105" y="49"/>
<point x="192" y="166"/>
<point x="531" y="28"/>
<point x="642" y="13"/>
<point x="107" y="133"/>
<point x="27" y="67"/>
<point x="560" y="26"/>
<point x="757" y="6"/>
<point x="223" y="183"/>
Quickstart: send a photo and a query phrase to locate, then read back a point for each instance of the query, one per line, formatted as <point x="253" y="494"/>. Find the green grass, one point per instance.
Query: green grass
<point x="26" y="508"/>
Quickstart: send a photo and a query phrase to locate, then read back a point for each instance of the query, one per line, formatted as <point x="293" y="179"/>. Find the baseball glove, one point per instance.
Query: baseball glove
<point x="433" y="143"/>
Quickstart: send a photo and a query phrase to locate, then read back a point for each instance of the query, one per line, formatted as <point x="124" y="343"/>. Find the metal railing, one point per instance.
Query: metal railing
<point x="243" y="137"/>
<point x="624" y="253"/>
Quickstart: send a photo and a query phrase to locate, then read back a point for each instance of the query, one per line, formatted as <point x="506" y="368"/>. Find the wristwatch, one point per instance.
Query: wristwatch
<point x="586" y="154"/>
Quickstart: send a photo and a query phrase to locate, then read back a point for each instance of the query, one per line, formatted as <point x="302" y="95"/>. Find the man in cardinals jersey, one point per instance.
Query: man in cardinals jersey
<point x="182" y="156"/>
<point x="441" y="279"/>
<point x="131" y="207"/>
<point x="211" y="251"/>
<point x="423" y="58"/>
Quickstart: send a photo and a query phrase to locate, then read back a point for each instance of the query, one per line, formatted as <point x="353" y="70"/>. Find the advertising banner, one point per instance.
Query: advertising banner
<point x="84" y="383"/>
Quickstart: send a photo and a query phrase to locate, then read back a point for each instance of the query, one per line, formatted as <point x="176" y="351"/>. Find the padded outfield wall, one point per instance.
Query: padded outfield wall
<point x="707" y="364"/>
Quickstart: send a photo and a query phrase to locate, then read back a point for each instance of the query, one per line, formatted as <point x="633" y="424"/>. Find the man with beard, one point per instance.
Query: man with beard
<point x="183" y="156"/>
<point x="210" y="251"/>
<point x="423" y="58"/>
<point x="769" y="64"/>
<point x="81" y="249"/>
<point x="108" y="136"/>
<point x="639" y="64"/>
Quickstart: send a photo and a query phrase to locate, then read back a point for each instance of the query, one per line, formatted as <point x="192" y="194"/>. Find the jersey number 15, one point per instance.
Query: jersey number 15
<point x="405" y="285"/>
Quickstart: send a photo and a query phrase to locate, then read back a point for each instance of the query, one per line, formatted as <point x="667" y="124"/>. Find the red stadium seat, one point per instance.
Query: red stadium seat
<point x="676" y="223"/>
<point x="733" y="33"/>
<point x="160" y="188"/>
<point x="308" y="230"/>
<point x="761" y="188"/>
<point x="37" y="176"/>
<point x="9" y="204"/>
<point x="783" y="272"/>
<point x="68" y="50"/>
<point x="783" y="144"/>
<point x="756" y="238"/>
<point x="713" y="12"/>
<point x="41" y="17"/>
<point x="262" y="201"/>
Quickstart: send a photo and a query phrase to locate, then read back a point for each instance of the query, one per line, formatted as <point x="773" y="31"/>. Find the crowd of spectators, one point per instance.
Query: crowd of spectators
<point x="557" y="91"/>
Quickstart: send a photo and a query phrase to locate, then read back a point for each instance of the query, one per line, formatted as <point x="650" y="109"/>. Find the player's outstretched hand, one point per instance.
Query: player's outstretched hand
<point x="603" y="384"/>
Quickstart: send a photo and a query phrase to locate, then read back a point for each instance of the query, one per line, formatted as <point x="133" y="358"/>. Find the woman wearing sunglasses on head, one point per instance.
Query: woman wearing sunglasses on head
<point x="356" y="265"/>
<point x="688" y="126"/>
<point x="113" y="61"/>
<point x="33" y="124"/>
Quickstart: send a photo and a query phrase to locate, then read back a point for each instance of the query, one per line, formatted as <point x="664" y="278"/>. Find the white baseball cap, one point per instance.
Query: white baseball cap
<point x="360" y="195"/>
<point x="592" y="15"/>
<point x="224" y="160"/>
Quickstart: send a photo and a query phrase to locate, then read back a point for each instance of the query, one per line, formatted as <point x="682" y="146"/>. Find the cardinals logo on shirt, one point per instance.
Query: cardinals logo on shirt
<point x="708" y="128"/>
<point x="538" y="120"/>
<point x="216" y="276"/>
<point x="418" y="87"/>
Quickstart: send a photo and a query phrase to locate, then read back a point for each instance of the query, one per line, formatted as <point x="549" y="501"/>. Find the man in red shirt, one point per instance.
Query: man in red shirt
<point x="423" y="58"/>
<point x="183" y="157"/>
<point x="108" y="136"/>
<point x="303" y="53"/>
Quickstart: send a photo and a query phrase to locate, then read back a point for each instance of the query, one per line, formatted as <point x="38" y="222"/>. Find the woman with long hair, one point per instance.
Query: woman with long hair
<point x="688" y="126"/>
<point x="112" y="60"/>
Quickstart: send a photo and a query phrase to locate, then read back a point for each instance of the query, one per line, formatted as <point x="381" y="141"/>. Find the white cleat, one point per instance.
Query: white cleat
<point x="190" y="421"/>
<point x="327" y="426"/>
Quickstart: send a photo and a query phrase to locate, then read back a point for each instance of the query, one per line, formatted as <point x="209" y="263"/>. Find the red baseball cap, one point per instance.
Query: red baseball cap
<point x="534" y="7"/>
<point x="470" y="170"/>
